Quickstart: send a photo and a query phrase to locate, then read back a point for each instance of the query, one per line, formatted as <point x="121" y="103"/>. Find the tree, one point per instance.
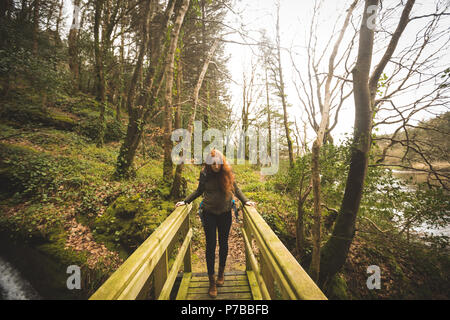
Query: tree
<point x="175" y="191"/>
<point x="141" y="107"/>
<point x="168" y="75"/>
<point x="279" y="83"/>
<point x="73" y="46"/>
<point x="315" y="169"/>
<point x="336" y="249"/>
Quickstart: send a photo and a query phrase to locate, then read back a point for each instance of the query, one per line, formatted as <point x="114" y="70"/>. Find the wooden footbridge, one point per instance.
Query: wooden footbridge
<point x="153" y="270"/>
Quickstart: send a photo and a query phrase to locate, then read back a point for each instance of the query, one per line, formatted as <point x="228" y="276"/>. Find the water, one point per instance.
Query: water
<point x="13" y="286"/>
<point x="418" y="177"/>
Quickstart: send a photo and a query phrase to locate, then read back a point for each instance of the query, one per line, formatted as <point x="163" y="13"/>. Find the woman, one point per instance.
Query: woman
<point x="217" y="185"/>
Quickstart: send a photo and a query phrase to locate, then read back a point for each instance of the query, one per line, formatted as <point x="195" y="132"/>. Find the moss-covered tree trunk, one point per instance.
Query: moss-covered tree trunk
<point x="100" y="84"/>
<point x="176" y="191"/>
<point x="168" y="76"/>
<point x="135" y="124"/>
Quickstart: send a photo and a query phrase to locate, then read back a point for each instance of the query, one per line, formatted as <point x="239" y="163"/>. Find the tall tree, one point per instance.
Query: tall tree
<point x="144" y="106"/>
<point x="100" y="83"/>
<point x="73" y="46"/>
<point x="168" y="76"/>
<point x="335" y="251"/>
<point x="315" y="169"/>
<point x="176" y="185"/>
<point x="281" y="88"/>
<point x="135" y="113"/>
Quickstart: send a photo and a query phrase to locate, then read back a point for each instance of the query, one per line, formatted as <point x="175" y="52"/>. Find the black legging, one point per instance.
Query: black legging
<point x="222" y="223"/>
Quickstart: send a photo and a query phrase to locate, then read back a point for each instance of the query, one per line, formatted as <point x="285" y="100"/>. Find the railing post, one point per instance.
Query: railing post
<point x="160" y="274"/>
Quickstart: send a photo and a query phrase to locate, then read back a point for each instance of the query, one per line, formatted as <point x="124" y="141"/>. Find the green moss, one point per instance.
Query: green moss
<point x="128" y="221"/>
<point x="33" y="114"/>
<point x="337" y="288"/>
<point x="56" y="249"/>
<point x="25" y="170"/>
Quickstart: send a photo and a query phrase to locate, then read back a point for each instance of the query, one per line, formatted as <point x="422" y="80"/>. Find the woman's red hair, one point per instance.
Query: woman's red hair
<point x="226" y="175"/>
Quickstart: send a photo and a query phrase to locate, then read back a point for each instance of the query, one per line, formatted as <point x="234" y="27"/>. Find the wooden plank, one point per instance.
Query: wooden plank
<point x="184" y="286"/>
<point x="255" y="267"/>
<point x="227" y="283"/>
<point x="248" y="248"/>
<point x="268" y="279"/>
<point x="227" y="277"/>
<point x="160" y="274"/>
<point x="187" y="256"/>
<point x="227" y="273"/>
<point x="254" y="287"/>
<point x="220" y="290"/>
<point x="226" y="296"/>
<point x="165" y="292"/>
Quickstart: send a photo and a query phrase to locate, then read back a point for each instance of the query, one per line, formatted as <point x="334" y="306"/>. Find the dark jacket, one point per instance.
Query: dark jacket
<point x="214" y="198"/>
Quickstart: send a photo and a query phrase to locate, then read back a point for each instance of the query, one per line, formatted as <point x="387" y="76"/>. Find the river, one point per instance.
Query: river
<point x="418" y="177"/>
<point x="13" y="286"/>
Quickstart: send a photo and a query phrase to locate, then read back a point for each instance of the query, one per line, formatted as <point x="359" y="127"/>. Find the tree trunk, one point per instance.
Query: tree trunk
<point x="121" y="101"/>
<point x="315" y="167"/>
<point x="300" y="225"/>
<point x="336" y="249"/>
<point x="128" y="149"/>
<point x="134" y="131"/>
<point x="73" y="47"/>
<point x="168" y="76"/>
<point x="316" y="229"/>
<point x="37" y="5"/>
<point x="176" y="192"/>
<point x="282" y="93"/>
<point x="58" y="23"/>
<point x="179" y="169"/>
<point x="100" y="91"/>
<point x="269" y="121"/>
<point x="150" y="88"/>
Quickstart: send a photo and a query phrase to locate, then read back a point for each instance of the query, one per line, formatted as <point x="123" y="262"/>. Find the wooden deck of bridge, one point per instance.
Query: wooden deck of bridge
<point x="238" y="285"/>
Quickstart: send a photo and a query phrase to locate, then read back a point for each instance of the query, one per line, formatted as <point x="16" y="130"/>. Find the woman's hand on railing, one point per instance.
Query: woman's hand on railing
<point x="250" y="203"/>
<point x="180" y="203"/>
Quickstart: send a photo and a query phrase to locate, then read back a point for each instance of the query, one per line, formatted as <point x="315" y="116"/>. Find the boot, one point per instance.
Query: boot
<point x="212" y="286"/>
<point x="220" y="276"/>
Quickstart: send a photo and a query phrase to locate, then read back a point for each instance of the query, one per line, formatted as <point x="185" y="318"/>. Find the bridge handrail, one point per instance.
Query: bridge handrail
<point x="131" y="280"/>
<point x="276" y="262"/>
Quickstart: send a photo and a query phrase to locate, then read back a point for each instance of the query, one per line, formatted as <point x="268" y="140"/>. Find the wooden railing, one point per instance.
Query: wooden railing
<point x="277" y="273"/>
<point x="148" y="266"/>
